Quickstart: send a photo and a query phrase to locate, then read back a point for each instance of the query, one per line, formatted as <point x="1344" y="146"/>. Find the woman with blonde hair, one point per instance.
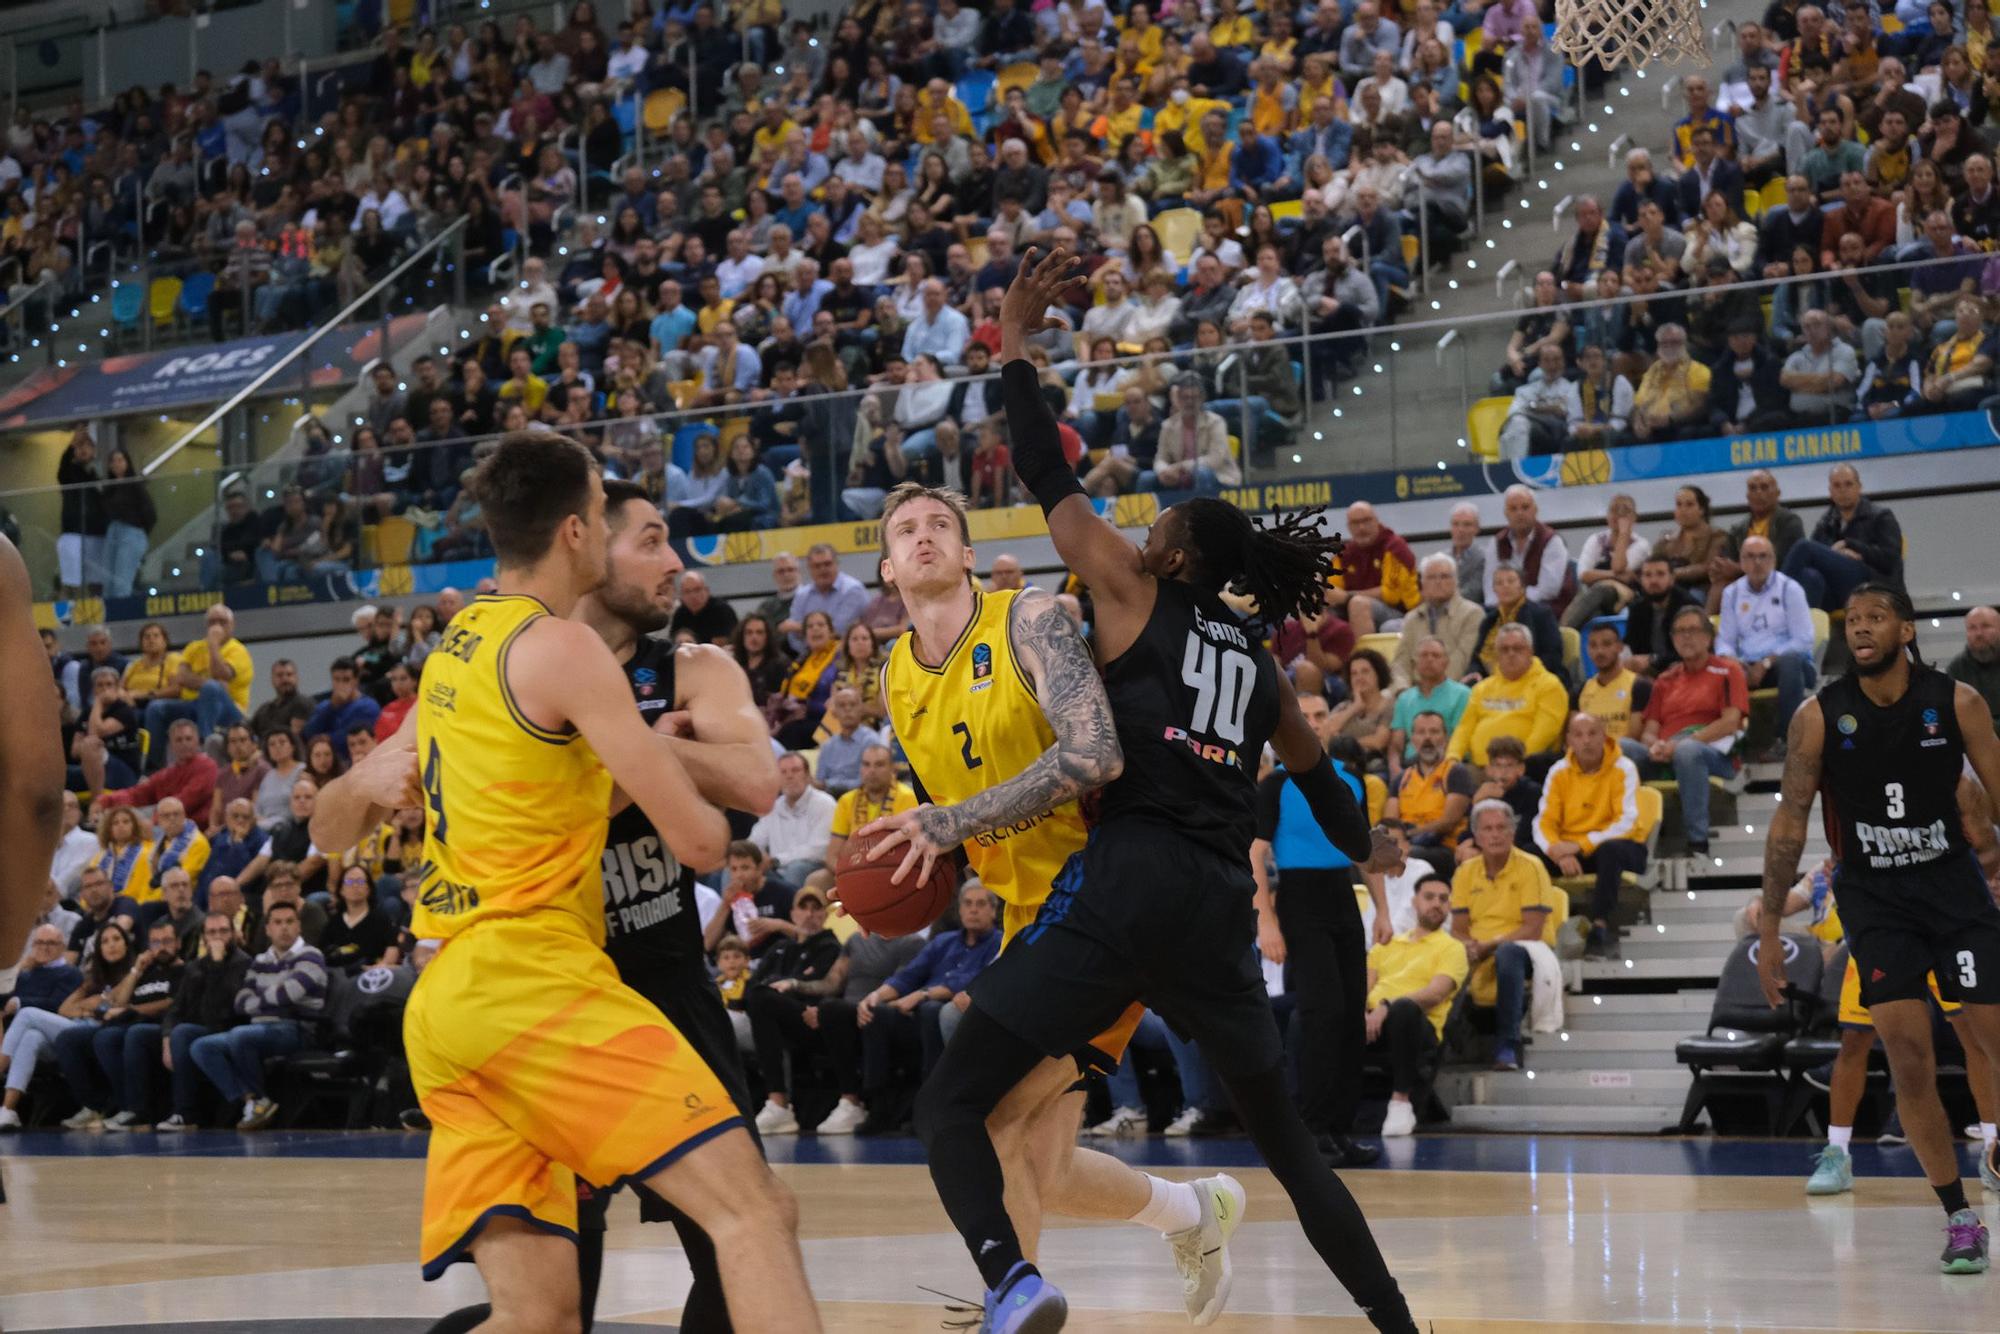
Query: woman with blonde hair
<point x="124" y="856"/>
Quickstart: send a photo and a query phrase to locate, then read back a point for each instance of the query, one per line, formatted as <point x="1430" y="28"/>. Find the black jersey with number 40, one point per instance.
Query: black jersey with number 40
<point x="1195" y="699"/>
<point x="1889" y="775"/>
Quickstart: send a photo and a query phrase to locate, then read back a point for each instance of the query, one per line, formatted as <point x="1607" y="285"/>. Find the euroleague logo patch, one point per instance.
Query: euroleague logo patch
<point x="645" y="678"/>
<point x="1930" y="717"/>
<point x="982" y="666"/>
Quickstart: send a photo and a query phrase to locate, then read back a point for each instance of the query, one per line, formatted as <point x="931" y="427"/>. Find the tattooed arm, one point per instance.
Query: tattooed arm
<point x="1085" y="755"/>
<point x="1786" y="840"/>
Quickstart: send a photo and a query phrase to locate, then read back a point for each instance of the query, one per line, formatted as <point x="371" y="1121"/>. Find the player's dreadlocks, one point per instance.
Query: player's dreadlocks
<point x="1284" y="565"/>
<point x="1899" y="602"/>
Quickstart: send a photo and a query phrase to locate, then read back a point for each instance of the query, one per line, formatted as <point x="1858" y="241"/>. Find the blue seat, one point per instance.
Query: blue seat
<point x="625" y="112"/>
<point x="195" y="293"/>
<point x="128" y="303"/>
<point x="975" y="89"/>
<point x="682" y="454"/>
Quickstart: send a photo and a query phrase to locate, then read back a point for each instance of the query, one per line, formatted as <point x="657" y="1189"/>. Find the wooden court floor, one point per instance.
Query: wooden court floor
<point x="126" y="1239"/>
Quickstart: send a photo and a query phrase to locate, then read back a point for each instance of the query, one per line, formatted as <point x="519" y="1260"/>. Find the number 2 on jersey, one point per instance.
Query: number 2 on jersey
<point x="434" y="790"/>
<point x="1222" y="680"/>
<point x="964" y="734"/>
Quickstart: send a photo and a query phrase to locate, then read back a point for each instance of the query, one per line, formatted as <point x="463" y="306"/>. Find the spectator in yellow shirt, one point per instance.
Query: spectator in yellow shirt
<point x="1522" y="699"/>
<point x="879" y="795"/>
<point x="771" y="135"/>
<point x="1673" y="397"/>
<point x="178" y="842"/>
<point x="934" y="98"/>
<point x="1411" y="981"/>
<point x="1230" y="28"/>
<point x="1589" y="822"/>
<point x="523" y="386"/>
<point x="1500" y="899"/>
<point x="1615" y="694"/>
<point x="214" y="676"/>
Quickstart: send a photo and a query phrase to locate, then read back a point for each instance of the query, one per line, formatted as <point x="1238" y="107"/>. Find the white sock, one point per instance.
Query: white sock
<point x="1838" y="1136"/>
<point x="1988" y="1133"/>
<point x="1174" y="1207"/>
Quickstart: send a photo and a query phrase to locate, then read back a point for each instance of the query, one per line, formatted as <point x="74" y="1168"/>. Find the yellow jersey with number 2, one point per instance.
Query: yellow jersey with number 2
<point x="515" y="814"/>
<point x="970" y="724"/>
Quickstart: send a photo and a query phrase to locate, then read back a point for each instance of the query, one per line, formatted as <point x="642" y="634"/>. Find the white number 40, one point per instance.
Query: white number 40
<point x="1222" y="680"/>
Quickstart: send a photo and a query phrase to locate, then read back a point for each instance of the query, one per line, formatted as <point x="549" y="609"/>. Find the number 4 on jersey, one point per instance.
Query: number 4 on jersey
<point x="434" y="790"/>
<point x="1222" y="680"/>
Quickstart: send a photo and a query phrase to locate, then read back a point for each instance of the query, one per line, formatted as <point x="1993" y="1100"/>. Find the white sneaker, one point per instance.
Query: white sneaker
<point x="174" y="1125"/>
<point x="260" y="1114"/>
<point x="1184" y="1123"/>
<point x="776" y="1120"/>
<point x="9" y="1119"/>
<point x="843" y="1119"/>
<point x="1974" y="1133"/>
<point x="1122" y="1121"/>
<point x="1201" y="1253"/>
<point x="1401" y="1120"/>
<point x="122" y="1121"/>
<point x="86" y="1118"/>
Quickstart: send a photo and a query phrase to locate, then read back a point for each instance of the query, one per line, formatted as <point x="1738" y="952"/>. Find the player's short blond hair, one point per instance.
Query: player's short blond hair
<point x="906" y="492"/>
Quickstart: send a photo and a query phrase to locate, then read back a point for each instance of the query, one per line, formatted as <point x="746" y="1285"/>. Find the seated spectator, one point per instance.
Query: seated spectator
<point x="1363" y="717"/>
<point x="1522" y="699"/>
<point x="1892" y="386"/>
<point x="47" y="979"/>
<point x="1314" y="650"/>
<point x="1434" y="793"/>
<point x="752" y="904"/>
<point x="1607" y="568"/>
<point x="1649" y="619"/>
<point x="283" y="991"/>
<point x="710" y="619"/>
<point x="108" y="1063"/>
<point x="98" y="904"/>
<point x="1544" y="325"/>
<point x="33" y="1030"/>
<point x="126" y="849"/>
<point x="1411" y="982"/>
<point x="1746" y="392"/>
<point x="1589" y="822"/>
<point x="1862" y="213"/>
<point x="1766" y="518"/>
<point x="1511" y="606"/>
<point x="1957" y="376"/>
<point x="239" y="777"/>
<point x="805" y="951"/>
<point x="214" y="679"/>
<point x="357" y="934"/>
<point x="1821" y="375"/>
<point x="798" y="707"/>
<point x="1978" y="663"/>
<point x="1767" y="627"/>
<point x="1500" y="900"/>
<point x="1442" y="613"/>
<point x="877" y="794"/>
<point x="106" y="748"/>
<point x="1697" y="709"/>
<point x="282" y="885"/>
<point x="1854" y="541"/>
<point x="175" y="907"/>
<point x="188" y="777"/>
<point x="1194" y="453"/>
<point x="1691" y="542"/>
<point x="848" y="738"/>
<point x="1605" y="395"/>
<point x="1530" y="546"/>
<point x="1613" y="693"/>
<point x="795" y="835"/>
<point x="1597" y="243"/>
<point x="1546" y="408"/>
<point x="178" y="843"/>
<point x="1672" y="399"/>
<point x="906" y="1021"/>
<point x="1432" y="691"/>
<point x="1506" y="778"/>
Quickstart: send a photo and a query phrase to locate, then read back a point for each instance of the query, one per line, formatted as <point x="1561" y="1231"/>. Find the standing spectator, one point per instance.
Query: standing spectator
<point x="1692" y="720"/>
<point x="905" y="1016"/>
<point x="110" y="1065"/>
<point x="1433" y="691"/>
<point x="796" y="832"/>
<point x="205" y="1003"/>
<point x="284" y="991"/>
<point x="1768" y="628"/>
<point x="1978" y="663"/>
<point x="1522" y="699"/>
<point x="129" y="517"/>
<point x="832" y="590"/>
<point x="1532" y="547"/>
<point x="1376" y="582"/>
<point x="806" y="952"/>
<point x="215" y="676"/>
<point x="80" y="546"/>
<point x="1411" y="981"/>
<point x="1441" y="614"/>
<point x="1500" y="898"/>
<point x="1589" y="822"/>
<point x="344" y="709"/>
<point x="1854" y="541"/>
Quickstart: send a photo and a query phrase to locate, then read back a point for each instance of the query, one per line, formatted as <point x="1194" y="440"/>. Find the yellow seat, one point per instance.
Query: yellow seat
<point x="1412" y="248"/>
<point x="1474" y="42"/>
<point x="1891" y="25"/>
<point x="1572" y="652"/>
<point x="1018" y="75"/>
<point x="1179" y="229"/>
<point x="1381" y="643"/>
<point x="393" y="537"/>
<point x="1822" y="631"/>
<point x="1378" y="797"/>
<point x="1772" y="195"/>
<point x="662" y="106"/>
<point x="164" y="296"/>
<point x="1288" y="208"/>
<point x="1108" y="402"/>
<point x="1482" y="426"/>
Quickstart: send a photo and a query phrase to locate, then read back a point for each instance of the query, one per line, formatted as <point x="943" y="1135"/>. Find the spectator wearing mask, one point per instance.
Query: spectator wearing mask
<point x="1411" y="981"/>
<point x="1854" y="541"/>
<point x="1522" y="699"/>
<point x="1697" y="709"/>
<point x="284" y="991"/>
<point x="1589" y="822"/>
<point x="1500" y="898"/>
<point x="110" y="1064"/>
<point x="1767" y="626"/>
<point x="906" y="1016"/>
<point x="205" y="1003"/>
<point x="1440" y="614"/>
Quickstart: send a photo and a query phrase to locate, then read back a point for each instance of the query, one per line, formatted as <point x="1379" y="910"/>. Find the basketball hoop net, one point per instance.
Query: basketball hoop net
<point x="1611" y="31"/>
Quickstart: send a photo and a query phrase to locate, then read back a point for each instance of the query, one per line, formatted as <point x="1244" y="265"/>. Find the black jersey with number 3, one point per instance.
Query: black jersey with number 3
<point x="650" y="923"/>
<point x="1196" y="699"/>
<point x="1889" y="775"/>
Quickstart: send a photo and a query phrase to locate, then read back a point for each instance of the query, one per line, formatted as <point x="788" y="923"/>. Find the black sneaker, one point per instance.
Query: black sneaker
<point x="1698" y="849"/>
<point x="1340" y="1151"/>
<point x="1892" y="1135"/>
<point x="1213" y="1123"/>
<point x="413" y="1118"/>
<point x="1821" y="1077"/>
<point x="1602" y="944"/>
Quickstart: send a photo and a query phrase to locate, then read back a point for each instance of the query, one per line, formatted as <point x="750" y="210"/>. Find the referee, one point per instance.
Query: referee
<point x="1312" y="924"/>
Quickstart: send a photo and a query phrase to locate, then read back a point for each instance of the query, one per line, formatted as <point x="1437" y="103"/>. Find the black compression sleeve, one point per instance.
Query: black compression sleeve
<point x="1340" y="816"/>
<point x="1036" y="442"/>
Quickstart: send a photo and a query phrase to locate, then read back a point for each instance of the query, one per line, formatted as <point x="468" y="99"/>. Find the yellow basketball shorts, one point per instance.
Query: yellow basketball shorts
<point x="1853" y="1014"/>
<point x="537" y="1068"/>
<point x="1107" y="1049"/>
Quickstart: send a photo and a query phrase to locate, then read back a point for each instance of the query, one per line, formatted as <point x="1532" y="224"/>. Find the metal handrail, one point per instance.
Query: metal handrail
<point x="272" y="371"/>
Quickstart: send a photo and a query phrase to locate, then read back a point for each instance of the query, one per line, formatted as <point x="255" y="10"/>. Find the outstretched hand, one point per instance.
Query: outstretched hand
<point x="1038" y="284"/>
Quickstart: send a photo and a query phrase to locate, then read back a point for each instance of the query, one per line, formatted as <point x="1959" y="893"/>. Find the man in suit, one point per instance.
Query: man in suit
<point x="1711" y="171"/>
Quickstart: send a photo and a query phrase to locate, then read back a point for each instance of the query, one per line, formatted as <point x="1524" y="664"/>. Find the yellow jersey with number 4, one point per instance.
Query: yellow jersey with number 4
<point x="970" y="724"/>
<point x="515" y="815"/>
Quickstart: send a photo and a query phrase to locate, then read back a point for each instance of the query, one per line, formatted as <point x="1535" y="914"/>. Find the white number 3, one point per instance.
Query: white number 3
<point x="1894" y="793"/>
<point x="1968" y="969"/>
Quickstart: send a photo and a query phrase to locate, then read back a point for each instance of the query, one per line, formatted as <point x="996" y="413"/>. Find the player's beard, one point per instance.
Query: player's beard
<point x="1881" y="664"/>
<point x="632" y="604"/>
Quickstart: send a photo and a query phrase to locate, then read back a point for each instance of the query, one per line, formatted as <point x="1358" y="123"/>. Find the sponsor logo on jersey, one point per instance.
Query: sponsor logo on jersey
<point x="1214" y="754"/>
<point x="982" y="661"/>
<point x="442" y="697"/>
<point x="644" y="679"/>
<point x="1930" y="717"/>
<point x="641" y="885"/>
<point x="1889" y="846"/>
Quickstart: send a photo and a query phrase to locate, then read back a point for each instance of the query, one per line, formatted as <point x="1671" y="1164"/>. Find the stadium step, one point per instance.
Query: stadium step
<point x="1602" y="1086"/>
<point x="1699" y="969"/>
<point x="1574" y="1120"/>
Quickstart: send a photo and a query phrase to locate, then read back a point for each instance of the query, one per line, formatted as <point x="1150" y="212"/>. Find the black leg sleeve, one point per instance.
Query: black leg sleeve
<point x="589" y="1271"/>
<point x="980" y="1064"/>
<point x="704" y="1311"/>
<point x="1332" y="1221"/>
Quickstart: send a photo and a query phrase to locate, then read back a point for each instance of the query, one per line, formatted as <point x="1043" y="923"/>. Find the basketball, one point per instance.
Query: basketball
<point x="883" y="906"/>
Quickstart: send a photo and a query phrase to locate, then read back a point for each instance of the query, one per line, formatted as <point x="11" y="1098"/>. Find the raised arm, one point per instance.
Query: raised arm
<point x="1785" y="840"/>
<point x="366" y="795"/>
<point x="1085" y="755"/>
<point x="720" y="737"/>
<point x="31" y="763"/>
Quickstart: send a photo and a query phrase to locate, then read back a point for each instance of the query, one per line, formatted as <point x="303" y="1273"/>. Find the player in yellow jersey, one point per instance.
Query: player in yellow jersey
<point x="1004" y="720"/>
<point x="536" y="1065"/>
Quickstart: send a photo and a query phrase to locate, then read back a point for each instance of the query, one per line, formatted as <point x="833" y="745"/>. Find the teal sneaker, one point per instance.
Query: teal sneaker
<point x="1964" y="1244"/>
<point x="1833" y="1172"/>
